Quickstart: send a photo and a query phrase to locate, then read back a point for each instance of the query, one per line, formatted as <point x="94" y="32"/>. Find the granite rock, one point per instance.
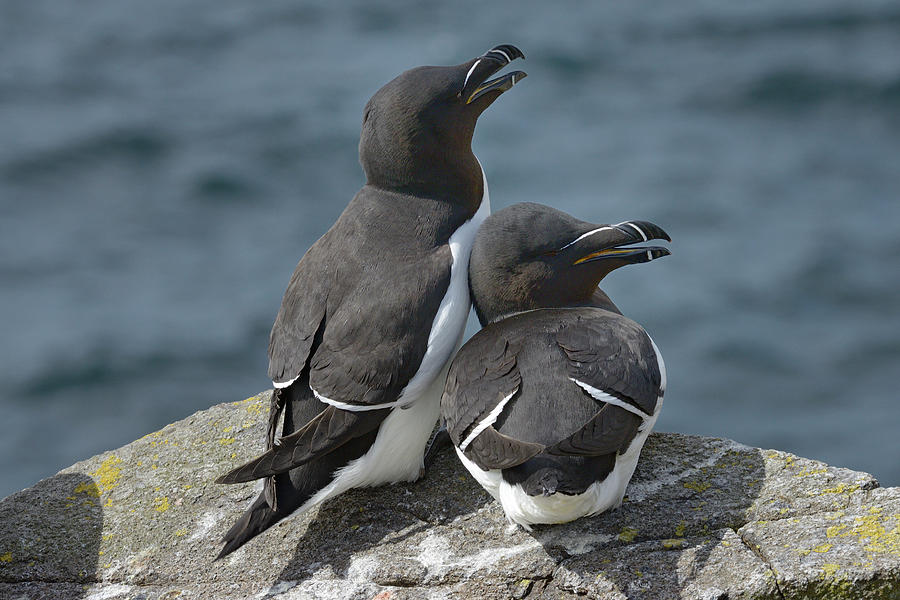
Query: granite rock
<point x="704" y="518"/>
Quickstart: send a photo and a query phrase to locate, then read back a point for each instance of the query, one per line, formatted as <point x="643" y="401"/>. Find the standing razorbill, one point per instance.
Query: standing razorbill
<point x="550" y="403"/>
<point x="378" y="305"/>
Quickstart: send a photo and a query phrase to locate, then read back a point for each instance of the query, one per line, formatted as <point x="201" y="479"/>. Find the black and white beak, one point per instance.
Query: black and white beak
<point x="476" y="84"/>
<point x="615" y="244"/>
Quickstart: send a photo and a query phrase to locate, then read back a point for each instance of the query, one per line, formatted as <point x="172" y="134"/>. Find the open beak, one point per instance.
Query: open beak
<point x="616" y="243"/>
<point x="476" y="84"/>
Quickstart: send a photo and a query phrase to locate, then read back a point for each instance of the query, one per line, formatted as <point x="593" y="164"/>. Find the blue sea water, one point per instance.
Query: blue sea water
<point x="164" y="165"/>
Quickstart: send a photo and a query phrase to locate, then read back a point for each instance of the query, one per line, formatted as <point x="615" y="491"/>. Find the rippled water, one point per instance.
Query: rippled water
<point x="164" y="165"/>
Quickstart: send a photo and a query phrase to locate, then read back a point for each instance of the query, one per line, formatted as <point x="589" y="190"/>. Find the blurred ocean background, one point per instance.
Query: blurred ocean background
<point x="163" y="166"/>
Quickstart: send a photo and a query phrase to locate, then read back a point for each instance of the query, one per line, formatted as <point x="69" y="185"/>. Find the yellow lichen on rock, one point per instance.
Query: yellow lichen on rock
<point x="841" y="488"/>
<point x="254" y="405"/>
<point x="161" y="503"/>
<point x="809" y="472"/>
<point x="108" y="473"/>
<point x="88" y="488"/>
<point x="873" y="529"/>
<point x="6" y="557"/>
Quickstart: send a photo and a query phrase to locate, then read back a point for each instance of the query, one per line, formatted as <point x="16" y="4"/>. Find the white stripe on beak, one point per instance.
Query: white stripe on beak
<point x="469" y="74"/>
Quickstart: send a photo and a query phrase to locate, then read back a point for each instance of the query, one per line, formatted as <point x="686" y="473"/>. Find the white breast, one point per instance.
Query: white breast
<point x="450" y="321"/>
<point x="397" y="453"/>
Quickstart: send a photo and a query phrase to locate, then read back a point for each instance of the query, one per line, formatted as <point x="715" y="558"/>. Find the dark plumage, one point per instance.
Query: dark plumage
<point x="358" y="334"/>
<point x="549" y="404"/>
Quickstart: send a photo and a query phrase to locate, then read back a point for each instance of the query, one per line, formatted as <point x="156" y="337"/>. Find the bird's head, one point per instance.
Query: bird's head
<point x="530" y="256"/>
<point x="419" y="126"/>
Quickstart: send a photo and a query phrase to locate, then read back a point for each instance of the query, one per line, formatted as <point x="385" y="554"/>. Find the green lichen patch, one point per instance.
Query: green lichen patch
<point x="697" y="486"/>
<point x="673" y="543"/>
<point x="628" y="534"/>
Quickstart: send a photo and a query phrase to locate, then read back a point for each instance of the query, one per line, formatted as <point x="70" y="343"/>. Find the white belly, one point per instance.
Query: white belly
<point x="528" y="510"/>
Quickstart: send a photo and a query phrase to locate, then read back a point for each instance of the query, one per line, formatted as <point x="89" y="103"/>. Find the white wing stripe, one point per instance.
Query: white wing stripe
<point x="284" y="384"/>
<point x="487" y="422"/>
<point x="604" y="397"/>
<point x="357" y="407"/>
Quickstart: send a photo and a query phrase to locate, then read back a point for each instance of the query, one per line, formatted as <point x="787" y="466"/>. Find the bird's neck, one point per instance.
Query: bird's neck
<point x="601" y="300"/>
<point x="438" y="174"/>
<point x="501" y="308"/>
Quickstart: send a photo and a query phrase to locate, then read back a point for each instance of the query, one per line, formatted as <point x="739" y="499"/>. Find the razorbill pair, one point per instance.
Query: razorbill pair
<point x="549" y="404"/>
<point x="377" y="306"/>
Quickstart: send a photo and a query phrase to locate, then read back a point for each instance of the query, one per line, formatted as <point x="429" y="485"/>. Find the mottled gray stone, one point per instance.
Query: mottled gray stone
<point x="714" y="566"/>
<point x="704" y="518"/>
<point x="852" y="552"/>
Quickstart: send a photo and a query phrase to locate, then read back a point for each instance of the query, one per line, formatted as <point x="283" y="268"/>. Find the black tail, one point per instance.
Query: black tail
<point x="279" y="497"/>
<point x="257" y="519"/>
<point x="284" y="493"/>
<point x="293" y="489"/>
<point x="545" y="475"/>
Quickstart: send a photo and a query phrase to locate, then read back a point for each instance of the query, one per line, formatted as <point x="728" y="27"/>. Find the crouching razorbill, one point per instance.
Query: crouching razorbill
<point x="378" y="305"/>
<point x="549" y="404"/>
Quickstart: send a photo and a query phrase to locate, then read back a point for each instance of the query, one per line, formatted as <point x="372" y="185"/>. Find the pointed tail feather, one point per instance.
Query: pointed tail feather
<point x="545" y="474"/>
<point x="257" y="519"/>
<point x="293" y="490"/>
<point x="327" y="431"/>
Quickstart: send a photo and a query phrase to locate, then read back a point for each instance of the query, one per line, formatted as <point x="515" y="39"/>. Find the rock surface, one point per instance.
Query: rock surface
<point x="704" y="518"/>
